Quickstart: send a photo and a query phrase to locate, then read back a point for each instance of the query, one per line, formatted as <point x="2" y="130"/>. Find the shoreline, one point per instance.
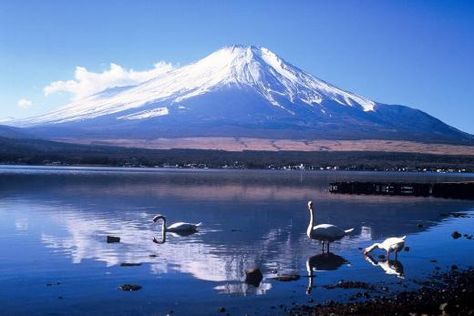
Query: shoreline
<point x="442" y="293"/>
<point x="187" y="168"/>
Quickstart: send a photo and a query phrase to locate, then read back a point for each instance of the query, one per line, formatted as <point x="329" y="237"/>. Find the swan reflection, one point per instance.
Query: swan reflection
<point x="391" y="267"/>
<point x="162" y="238"/>
<point x="322" y="262"/>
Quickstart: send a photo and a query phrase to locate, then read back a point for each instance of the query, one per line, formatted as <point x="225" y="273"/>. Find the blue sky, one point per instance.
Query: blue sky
<point x="416" y="53"/>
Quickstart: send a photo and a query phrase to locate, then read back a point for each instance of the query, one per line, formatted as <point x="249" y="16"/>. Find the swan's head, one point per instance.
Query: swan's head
<point x="310" y="205"/>
<point x="158" y="217"/>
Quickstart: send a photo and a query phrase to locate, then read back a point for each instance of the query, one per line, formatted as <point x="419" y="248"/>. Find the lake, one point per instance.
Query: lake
<point x="55" y="258"/>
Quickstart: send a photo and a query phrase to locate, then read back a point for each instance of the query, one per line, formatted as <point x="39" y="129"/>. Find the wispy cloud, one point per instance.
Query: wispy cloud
<point x="24" y="103"/>
<point x="86" y="83"/>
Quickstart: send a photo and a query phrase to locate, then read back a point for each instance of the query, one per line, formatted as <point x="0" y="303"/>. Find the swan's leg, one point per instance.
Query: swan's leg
<point x="396" y="254"/>
<point x="322" y="244"/>
<point x="328" y="247"/>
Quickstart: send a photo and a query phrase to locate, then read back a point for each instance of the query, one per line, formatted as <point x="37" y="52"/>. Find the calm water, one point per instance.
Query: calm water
<point x="55" y="260"/>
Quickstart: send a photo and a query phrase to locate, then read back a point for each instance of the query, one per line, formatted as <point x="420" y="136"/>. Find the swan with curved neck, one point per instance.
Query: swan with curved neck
<point x="179" y="227"/>
<point x="392" y="244"/>
<point x="325" y="233"/>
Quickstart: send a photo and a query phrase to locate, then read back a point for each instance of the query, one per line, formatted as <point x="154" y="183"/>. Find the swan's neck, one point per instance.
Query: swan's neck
<point x="311" y="221"/>
<point x="369" y="249"/>
<point x="164" y="224"/>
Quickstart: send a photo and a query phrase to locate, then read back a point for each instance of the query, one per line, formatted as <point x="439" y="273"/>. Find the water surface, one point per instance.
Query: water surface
<point x="55" y="258"/>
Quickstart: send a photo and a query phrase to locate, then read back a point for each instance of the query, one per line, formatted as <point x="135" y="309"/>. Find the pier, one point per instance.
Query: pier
<point x="454" y="190"/>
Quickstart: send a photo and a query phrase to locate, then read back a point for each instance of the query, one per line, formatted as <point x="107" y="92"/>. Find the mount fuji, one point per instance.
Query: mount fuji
<point x="239" y="91"/>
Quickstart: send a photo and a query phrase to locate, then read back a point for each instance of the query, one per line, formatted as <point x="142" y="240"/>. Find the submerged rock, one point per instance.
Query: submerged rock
<point x="455" y="234"/>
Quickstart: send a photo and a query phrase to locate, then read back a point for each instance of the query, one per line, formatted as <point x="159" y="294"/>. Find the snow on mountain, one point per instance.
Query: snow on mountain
<point x="255" y="67"/>
<point x="238" y="91"/>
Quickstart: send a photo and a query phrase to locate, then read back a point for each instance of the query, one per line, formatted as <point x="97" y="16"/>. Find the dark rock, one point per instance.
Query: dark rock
<point x="152" y="256"/>
<point x="407" y="248"/>
<point x="112" y="239"/>
<point x="287" y="277"/>
<point x="128" y="264"/>
<point x="253" y="277"/>
<point x="350" y="285"/>
<point x="456" y="235"/>
<point x="420" y="225"/>
<point x="130" y="287"/>
<point x="221" y="310"/>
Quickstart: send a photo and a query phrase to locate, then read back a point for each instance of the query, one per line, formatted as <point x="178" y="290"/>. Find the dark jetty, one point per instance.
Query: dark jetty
<point x="455" y="190"/>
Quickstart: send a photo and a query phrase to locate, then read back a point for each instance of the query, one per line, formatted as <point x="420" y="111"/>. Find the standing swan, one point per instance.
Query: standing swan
<point x="325" y="233"/>
<point x="179" y="227"/>
<point x="394" y="244"/>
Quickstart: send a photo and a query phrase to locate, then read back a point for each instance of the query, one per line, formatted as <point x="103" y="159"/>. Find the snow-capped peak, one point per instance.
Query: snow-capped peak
<point x="258" y="68"/>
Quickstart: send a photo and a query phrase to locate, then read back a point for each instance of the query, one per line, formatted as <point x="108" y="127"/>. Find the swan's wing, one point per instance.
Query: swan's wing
<point x="327" y="231"/>
<point x="181" y="226"/>
<point x="393" y="243"/>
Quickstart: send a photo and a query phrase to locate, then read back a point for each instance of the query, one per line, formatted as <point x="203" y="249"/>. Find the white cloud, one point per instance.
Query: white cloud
<point x="86" y="83"/>
<point x="24" y="103"/>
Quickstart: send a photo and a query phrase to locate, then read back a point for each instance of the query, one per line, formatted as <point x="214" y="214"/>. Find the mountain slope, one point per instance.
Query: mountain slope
<point x="239" y="91"/>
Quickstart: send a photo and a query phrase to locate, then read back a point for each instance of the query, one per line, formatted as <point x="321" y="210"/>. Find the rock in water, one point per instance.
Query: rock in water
<point x="253" y="277"/>
<point x="287" y="277"/>
<point x="112" y="239"/>
<point x="456" y="235"/>
<point x="130" y="287"/>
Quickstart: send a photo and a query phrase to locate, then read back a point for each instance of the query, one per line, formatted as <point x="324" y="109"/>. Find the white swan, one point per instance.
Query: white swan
<point x="179" y="227"/>
<point x="325" y="233"/>
<point x="392" y="244"/>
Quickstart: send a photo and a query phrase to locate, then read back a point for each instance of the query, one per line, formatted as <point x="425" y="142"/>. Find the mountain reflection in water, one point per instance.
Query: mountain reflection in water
<point x="249" y="220"/>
